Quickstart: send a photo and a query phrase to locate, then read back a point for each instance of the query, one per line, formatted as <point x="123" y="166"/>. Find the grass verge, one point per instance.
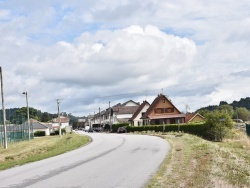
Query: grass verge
<point x="39" y="148"/>
<point x="198" y="163"/>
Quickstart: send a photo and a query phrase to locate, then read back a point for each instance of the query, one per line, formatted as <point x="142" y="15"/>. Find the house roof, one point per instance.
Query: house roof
<point x="124" y="104"/>
<point x="154" y="103"/>
<point x="62" y="120"/>
<point x="191" y="116"/>
<point x="139" y="109"/>
<point x="38" y="125"/>
<point x="124" y="109"/>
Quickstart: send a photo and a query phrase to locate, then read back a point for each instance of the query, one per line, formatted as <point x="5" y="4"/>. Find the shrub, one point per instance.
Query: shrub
<point x="56" y="132"/>
<point x="39" y="133"/>
<point x="116" y="126"/>
<point x="218" y="125"/>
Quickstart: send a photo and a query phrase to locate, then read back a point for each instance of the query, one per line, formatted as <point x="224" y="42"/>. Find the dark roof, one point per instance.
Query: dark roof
<point x="38" y="125"/>
<point x="154" y="103"/>
<point x="125" y="109"/>
<point x="139" y="109"/>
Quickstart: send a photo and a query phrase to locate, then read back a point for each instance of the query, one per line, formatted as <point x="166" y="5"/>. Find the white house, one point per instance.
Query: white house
<point x="64" y="121"/>
<point x="123" y="112"/>
<point x="136" y="120"/>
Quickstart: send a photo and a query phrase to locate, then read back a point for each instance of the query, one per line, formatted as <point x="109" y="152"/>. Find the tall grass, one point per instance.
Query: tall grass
<point x="195" y="162"/>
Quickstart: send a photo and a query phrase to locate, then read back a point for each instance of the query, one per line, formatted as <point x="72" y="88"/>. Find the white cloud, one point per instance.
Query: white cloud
<point x="193" y="50"/>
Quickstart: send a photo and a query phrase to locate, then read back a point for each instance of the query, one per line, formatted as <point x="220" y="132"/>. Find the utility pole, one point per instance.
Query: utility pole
<point x="99" y="117"/>
<point x="28" y="113"/>
<point x="110" y="126"/>
<point x="3" y="109"/>
<point x="59" y="119"/>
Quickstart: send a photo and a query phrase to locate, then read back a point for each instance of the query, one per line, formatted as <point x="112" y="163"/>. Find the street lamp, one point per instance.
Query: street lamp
<point x="28" y="114"/>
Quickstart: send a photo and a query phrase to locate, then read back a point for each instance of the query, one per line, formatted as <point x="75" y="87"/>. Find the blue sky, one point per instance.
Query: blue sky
<point x="80" y="51"/>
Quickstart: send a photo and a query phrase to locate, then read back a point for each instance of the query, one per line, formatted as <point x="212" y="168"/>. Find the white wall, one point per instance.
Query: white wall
<point x="137" y="118"/>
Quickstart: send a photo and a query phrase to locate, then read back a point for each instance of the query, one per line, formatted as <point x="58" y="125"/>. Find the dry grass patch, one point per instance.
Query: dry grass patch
<point x="195" y="162"/>
<point x="39" y="148"/>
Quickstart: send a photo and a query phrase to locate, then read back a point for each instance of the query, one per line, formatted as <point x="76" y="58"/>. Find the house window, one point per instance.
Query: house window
<point x="158" y="110"/>
<point x="163" y="100"/>
<point x="169" y="110"/>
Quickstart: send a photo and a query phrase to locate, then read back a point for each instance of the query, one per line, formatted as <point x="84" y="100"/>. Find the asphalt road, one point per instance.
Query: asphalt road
<point x="109" y="161"/>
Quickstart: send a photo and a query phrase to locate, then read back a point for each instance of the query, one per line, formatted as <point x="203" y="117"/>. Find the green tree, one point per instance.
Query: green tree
<point x="242" y="113"/>
<point x="45" y="117"/>
<point x="203" y="112"/>
<point x="218" y="123"/>
<point x="226" y="108"/>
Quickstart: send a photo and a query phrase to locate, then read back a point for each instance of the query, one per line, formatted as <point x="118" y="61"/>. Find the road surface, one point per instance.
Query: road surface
<point x="109" y="161"/>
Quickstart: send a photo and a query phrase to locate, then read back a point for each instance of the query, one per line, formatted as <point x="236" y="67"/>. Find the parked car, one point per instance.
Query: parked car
<point x="97" y="129"/>
<point x="86" y="129"/>
<point x="121" y="130"/>
<point x="90" y="130"/>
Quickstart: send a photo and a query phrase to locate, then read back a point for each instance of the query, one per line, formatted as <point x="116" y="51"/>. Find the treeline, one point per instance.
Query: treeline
<point x="236" y="110"/>
<point x="19" y="115"/>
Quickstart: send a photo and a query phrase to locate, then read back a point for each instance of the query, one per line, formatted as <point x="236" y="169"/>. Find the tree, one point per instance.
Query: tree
<point x="242" y="113"/>
<point x="45" y="117"/>
<point x="218" y="123"/>
<point x="226" y="108"/>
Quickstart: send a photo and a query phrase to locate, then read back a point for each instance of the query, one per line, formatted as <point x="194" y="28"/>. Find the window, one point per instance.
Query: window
<point x="163" y="100"/>
<point x="158" y="110"/>
<point x="169" y="110"/>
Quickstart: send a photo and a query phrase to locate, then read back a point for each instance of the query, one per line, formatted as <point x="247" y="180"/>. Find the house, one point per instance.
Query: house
<point x="64" y="121"/>
<point x="194" y="117"/>
<point x="37" y="126"/>
<point x="162" y="111"/>
<point x="136" y="120"/>
<point x="121" y="113"/>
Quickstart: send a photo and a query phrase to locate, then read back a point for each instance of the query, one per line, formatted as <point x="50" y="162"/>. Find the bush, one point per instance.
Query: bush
<point x="116" y="126"/>
<point x="218" y="124"/>
<point x="56" y="132"/>
<point x="39" y="133"/>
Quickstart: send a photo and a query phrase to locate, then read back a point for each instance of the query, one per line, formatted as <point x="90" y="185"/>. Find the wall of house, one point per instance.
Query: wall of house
<point x="197" y="118"/>
<point x="164" y="105"/>
<point x="137" y="120"/>
<point x="63" y="125"/>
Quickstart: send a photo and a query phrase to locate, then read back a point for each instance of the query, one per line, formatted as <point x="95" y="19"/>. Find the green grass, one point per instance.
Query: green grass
<point x="198" y="163"/>
<point x="39" y="148"/>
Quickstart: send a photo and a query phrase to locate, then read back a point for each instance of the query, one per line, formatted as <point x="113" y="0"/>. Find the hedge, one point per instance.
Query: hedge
<point x="195" y="129"/>
<point x="39" y="133"/>
<point x="116" y="126"/>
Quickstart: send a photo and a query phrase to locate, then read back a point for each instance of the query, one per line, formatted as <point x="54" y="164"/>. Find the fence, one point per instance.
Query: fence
<point x="16" y="133"/>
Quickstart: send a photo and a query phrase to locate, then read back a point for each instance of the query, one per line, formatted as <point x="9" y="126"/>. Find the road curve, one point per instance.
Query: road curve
<point x="109" y="161"/>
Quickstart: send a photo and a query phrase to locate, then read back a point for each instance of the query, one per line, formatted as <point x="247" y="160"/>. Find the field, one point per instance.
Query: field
<point x="198" y="163"/>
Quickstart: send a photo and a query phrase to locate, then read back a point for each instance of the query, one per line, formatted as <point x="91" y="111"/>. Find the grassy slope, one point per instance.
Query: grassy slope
<point x="39" y="148"/>
<point x="195" y="162"/>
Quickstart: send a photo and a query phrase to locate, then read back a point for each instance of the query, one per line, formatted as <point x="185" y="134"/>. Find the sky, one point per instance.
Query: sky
<point x="87" y="53"/>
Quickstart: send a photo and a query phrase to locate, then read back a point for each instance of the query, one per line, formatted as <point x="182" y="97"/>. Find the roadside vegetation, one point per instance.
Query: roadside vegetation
<point x="39" y="148"/>
<point x="198" y="163"/>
